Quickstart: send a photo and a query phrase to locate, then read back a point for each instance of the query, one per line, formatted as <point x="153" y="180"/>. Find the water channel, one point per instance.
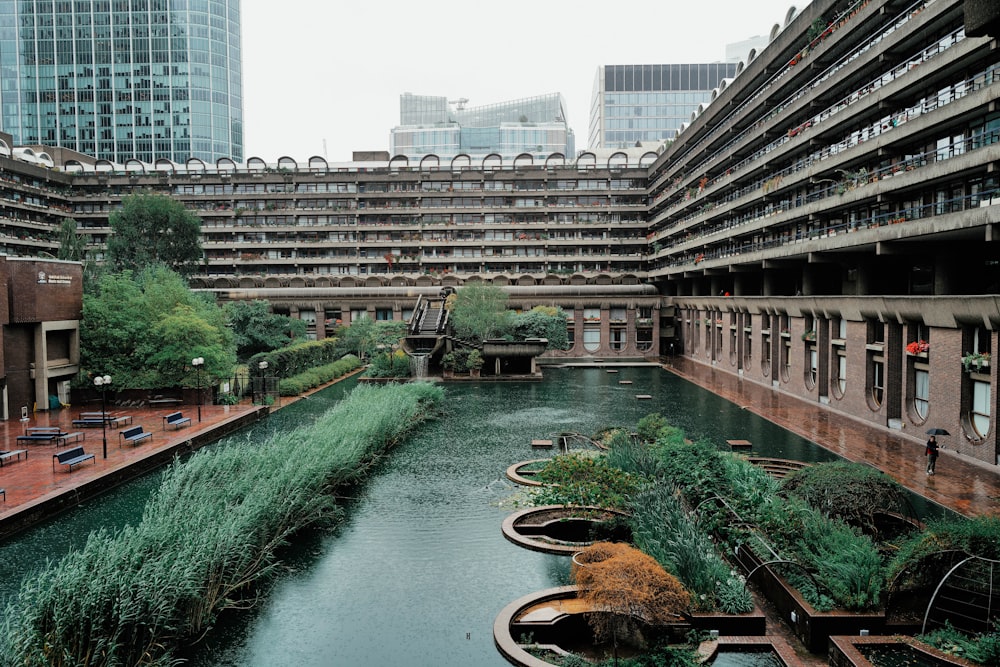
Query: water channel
<point x="419" y="570"/>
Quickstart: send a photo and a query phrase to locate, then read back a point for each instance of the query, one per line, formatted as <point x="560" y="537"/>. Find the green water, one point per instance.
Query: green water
<point x="419" y="570"/>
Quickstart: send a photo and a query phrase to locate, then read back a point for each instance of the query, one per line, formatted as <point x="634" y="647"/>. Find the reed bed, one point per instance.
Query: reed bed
<point x="206" y="542"/>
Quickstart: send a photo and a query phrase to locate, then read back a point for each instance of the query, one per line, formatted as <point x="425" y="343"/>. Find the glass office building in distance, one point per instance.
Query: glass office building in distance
<point x="124" y="79"/>
<point x="649" y="103"/>
<point x="432" y="125"/>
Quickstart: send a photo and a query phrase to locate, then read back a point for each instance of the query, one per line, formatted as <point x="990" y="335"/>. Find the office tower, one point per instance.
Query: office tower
<point x="124" y="79"/>
<point x="435" y="125"/>
<point x="633" y="103"/>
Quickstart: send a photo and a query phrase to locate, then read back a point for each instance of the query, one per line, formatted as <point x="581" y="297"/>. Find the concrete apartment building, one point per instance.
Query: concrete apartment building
<point x="826" y="225"/>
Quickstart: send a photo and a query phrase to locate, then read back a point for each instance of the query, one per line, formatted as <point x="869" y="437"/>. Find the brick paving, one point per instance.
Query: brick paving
<point x="969" y="487"/>
<point x="34" y="478"/>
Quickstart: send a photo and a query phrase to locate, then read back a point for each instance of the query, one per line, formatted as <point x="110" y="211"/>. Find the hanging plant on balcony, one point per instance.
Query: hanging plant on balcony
<point x="976" y="360"/>
<point x="809" y="335"/>
<point x="918" y="347"/>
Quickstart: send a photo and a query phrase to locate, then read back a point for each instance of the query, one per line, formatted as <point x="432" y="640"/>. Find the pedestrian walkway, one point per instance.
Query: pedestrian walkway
<point x="969" y="487"/>
<point x="36" y="486"/>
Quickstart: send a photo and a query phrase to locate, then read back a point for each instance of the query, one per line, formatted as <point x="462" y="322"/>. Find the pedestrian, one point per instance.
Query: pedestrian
<point x="932" y="454"/>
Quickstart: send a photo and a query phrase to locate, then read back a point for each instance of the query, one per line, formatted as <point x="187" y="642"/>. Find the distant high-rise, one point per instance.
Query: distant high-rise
<point x="633" y="103"/>
<point x="123" y="79"/>
<point x="435" y="125"/>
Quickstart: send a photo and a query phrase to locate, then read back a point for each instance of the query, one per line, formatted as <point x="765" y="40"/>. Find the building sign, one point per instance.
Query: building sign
<point x="53" y="279"/>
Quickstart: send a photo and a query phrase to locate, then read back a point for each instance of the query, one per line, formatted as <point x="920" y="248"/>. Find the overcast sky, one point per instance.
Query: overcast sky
<point x="323" y="77"/>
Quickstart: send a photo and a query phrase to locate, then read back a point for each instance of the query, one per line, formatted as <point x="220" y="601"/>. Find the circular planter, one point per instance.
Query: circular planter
<point x="556" y="529"/>
<point x="516" y="473"/>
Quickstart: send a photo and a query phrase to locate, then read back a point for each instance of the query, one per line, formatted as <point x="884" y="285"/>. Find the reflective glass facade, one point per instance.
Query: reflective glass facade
<point x="633" y="103"/>
<point x="121" y="79"/>
<point x="433" y="125"/>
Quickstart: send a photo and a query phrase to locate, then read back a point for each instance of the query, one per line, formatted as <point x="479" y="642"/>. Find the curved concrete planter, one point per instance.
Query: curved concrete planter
<point x="528" y="527"/>
<point x="516" y="472"/>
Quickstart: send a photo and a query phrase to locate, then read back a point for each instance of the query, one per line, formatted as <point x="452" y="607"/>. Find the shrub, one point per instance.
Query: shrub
<point x="584" y="480"/>
<point x="315" y="377"/>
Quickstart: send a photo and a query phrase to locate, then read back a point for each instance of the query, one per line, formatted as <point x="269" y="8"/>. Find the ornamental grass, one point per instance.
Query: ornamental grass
<point x="206" y="542"/>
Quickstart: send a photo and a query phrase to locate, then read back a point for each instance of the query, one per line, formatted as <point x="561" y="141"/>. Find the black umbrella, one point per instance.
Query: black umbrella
<point x="937" y="431"/>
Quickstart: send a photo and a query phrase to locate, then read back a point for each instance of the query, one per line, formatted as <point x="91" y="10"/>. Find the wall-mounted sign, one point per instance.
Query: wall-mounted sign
<point x="53" y="279"/>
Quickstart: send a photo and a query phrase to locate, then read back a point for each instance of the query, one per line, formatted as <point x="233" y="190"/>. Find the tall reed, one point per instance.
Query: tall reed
<point x="206" y="542"/>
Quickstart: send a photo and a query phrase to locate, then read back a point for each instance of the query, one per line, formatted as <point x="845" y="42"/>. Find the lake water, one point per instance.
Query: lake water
<point x="419" y="570"/>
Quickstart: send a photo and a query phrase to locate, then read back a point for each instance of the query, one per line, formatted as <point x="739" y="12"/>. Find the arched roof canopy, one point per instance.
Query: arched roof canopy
<point x="739" y="68"/>
<point x="45" y="159"/>
<point x="4" y="148"/>
<point x="586" y="160"/>
<point x="104" y="166"/>
<point x="456" y="166"/>
<point x="555" y="157"/>
<point x="790" y="15"/>
<point x="524" y="160"/>
<point x="489" y="160"/>
<point x="751" y="56"/>
<point x="196" y="164"/>
<point x="134" y="165"/>
<point x="775" y="29"/>
<point x="426" y="162"/>
<point x="73" y="166"/>
<point x="225" y="164"/>
<point x="163" y="164"/>
<point x="256" y="164"/>
<point x="648" y="158"/>
<point x="405" y="162"/>
<point x="287" y="162"/>
<point x="617" y="159"/>
<point x="318" y="163"/>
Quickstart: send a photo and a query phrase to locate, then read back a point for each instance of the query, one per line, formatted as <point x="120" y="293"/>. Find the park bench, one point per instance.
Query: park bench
<point x="70" y="457"/>
<point x="176" y="419"/>
<point x="41" y="436"/>
<point x="133" y="436"/>
<point x="7" y="455"/>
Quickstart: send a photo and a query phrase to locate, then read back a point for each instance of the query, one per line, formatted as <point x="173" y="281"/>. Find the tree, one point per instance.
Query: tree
<point x="629" y="588"/>
<point x="144" y="331"/>
<point x="256" y="329"/>
<point x="366" y="337"/>
<point x="72" y="246"/>
<point x="154" y="229"/>
<point x="480" y="313"/>
<point x="546" y="322"/>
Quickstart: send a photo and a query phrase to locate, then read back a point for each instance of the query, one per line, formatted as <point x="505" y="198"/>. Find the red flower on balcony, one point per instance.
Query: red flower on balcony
<point x="918" y="347"/>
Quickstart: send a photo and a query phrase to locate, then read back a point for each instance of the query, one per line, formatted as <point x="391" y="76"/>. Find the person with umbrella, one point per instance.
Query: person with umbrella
<point x="932" y="448"/>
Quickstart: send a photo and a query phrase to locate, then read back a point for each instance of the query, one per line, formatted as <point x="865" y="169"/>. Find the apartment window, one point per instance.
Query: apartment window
<point x="747" y="340"/>
<point x="876" y="385"/>
<point x="980" y="413"/>
<point x="617" y="339"/>
<point x="840" y="386"/>
<point x="812" y="357"/>
<point x="591" y="339"/>
<point x="921" y="392"/>
<point x="383" y="314"/>
<point x="765" y="354"/>
<point x="592" y="314"/>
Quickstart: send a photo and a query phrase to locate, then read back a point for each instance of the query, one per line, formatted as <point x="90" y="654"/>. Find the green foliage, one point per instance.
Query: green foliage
<point x="366" y="337"/>
<point x="626" y="452"/>
<point x="585" y="480"/>
<point x="207" y="541"/>
<point x="542" y="322"/>
<point x="153" y="229"/>
<point x="474" y="361"/>
<point x="389" y="365"/>
<point x="314" y="377"/>
<point x="256" y="329"/>
<point x="480" y="313"/>
<point x="650" y="426"/>
<point x="144" y="331"/>
<point x="298" y="358"/>
<point x="662" y="528"/>
<point x="982" y="649"/>
<point x="852" y="492"/>
<point x="978" y="536"/>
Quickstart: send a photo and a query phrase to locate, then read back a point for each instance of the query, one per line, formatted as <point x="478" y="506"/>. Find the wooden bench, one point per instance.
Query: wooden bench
<point x="176" y="419"/>
<point x="7" y="455"/>
<point x="133" y="436"/>
<point x="70" y="457"/>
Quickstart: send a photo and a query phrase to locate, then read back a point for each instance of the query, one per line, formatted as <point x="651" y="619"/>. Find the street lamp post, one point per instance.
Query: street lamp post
<point x="102" y="382"/>
<point x="198" y="362"/>
<point x="263" y="388"/>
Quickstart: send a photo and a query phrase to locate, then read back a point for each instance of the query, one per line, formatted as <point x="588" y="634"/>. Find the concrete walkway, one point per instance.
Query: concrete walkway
<point x="969" y="487"/>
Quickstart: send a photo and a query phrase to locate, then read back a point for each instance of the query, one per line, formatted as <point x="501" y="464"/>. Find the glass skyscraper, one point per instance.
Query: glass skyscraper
<point x="122" y="79"/>
<point x="433" y="125"/>
<point x="633" y="103"/>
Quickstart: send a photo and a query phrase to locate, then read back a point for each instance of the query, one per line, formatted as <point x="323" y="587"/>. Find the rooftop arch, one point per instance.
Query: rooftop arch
<point x="287" y="162"/>
<point x="134" y="165"/>
<point x="617" y="159"/>
<point x="554" y="157"/>
<point x="256" y="164"/>
<point x="398" y="162"/>
<point x="775" y="29"/>
<point x="461" y="156"/>
<point x="648" y="158"/>
<point x="224" y="164"/>
<point x="791" y="14"/>
<point x="4" y="148"/>
<point x="163" y="164"/>
<point x="196" y="164"/>
<point x="104" y="166"/>
<point x="524" y="160"/>
<point x="72" y="166"/>
<point x="488" y="161"/>
<point x="318" y="163"/>
<point x="586" y="160"/>
<point x="425" y="162"/>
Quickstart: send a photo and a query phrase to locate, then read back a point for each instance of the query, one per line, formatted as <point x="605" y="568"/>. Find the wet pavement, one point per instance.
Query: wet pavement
<point x="969" y="487"/>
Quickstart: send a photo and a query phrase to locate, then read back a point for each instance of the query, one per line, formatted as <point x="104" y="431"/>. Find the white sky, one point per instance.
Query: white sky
<point x="332" y="71"/>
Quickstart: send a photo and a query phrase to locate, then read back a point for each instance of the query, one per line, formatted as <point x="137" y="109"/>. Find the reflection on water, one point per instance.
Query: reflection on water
<point x="735" y="658"/>
<point x="420" y="569"/>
